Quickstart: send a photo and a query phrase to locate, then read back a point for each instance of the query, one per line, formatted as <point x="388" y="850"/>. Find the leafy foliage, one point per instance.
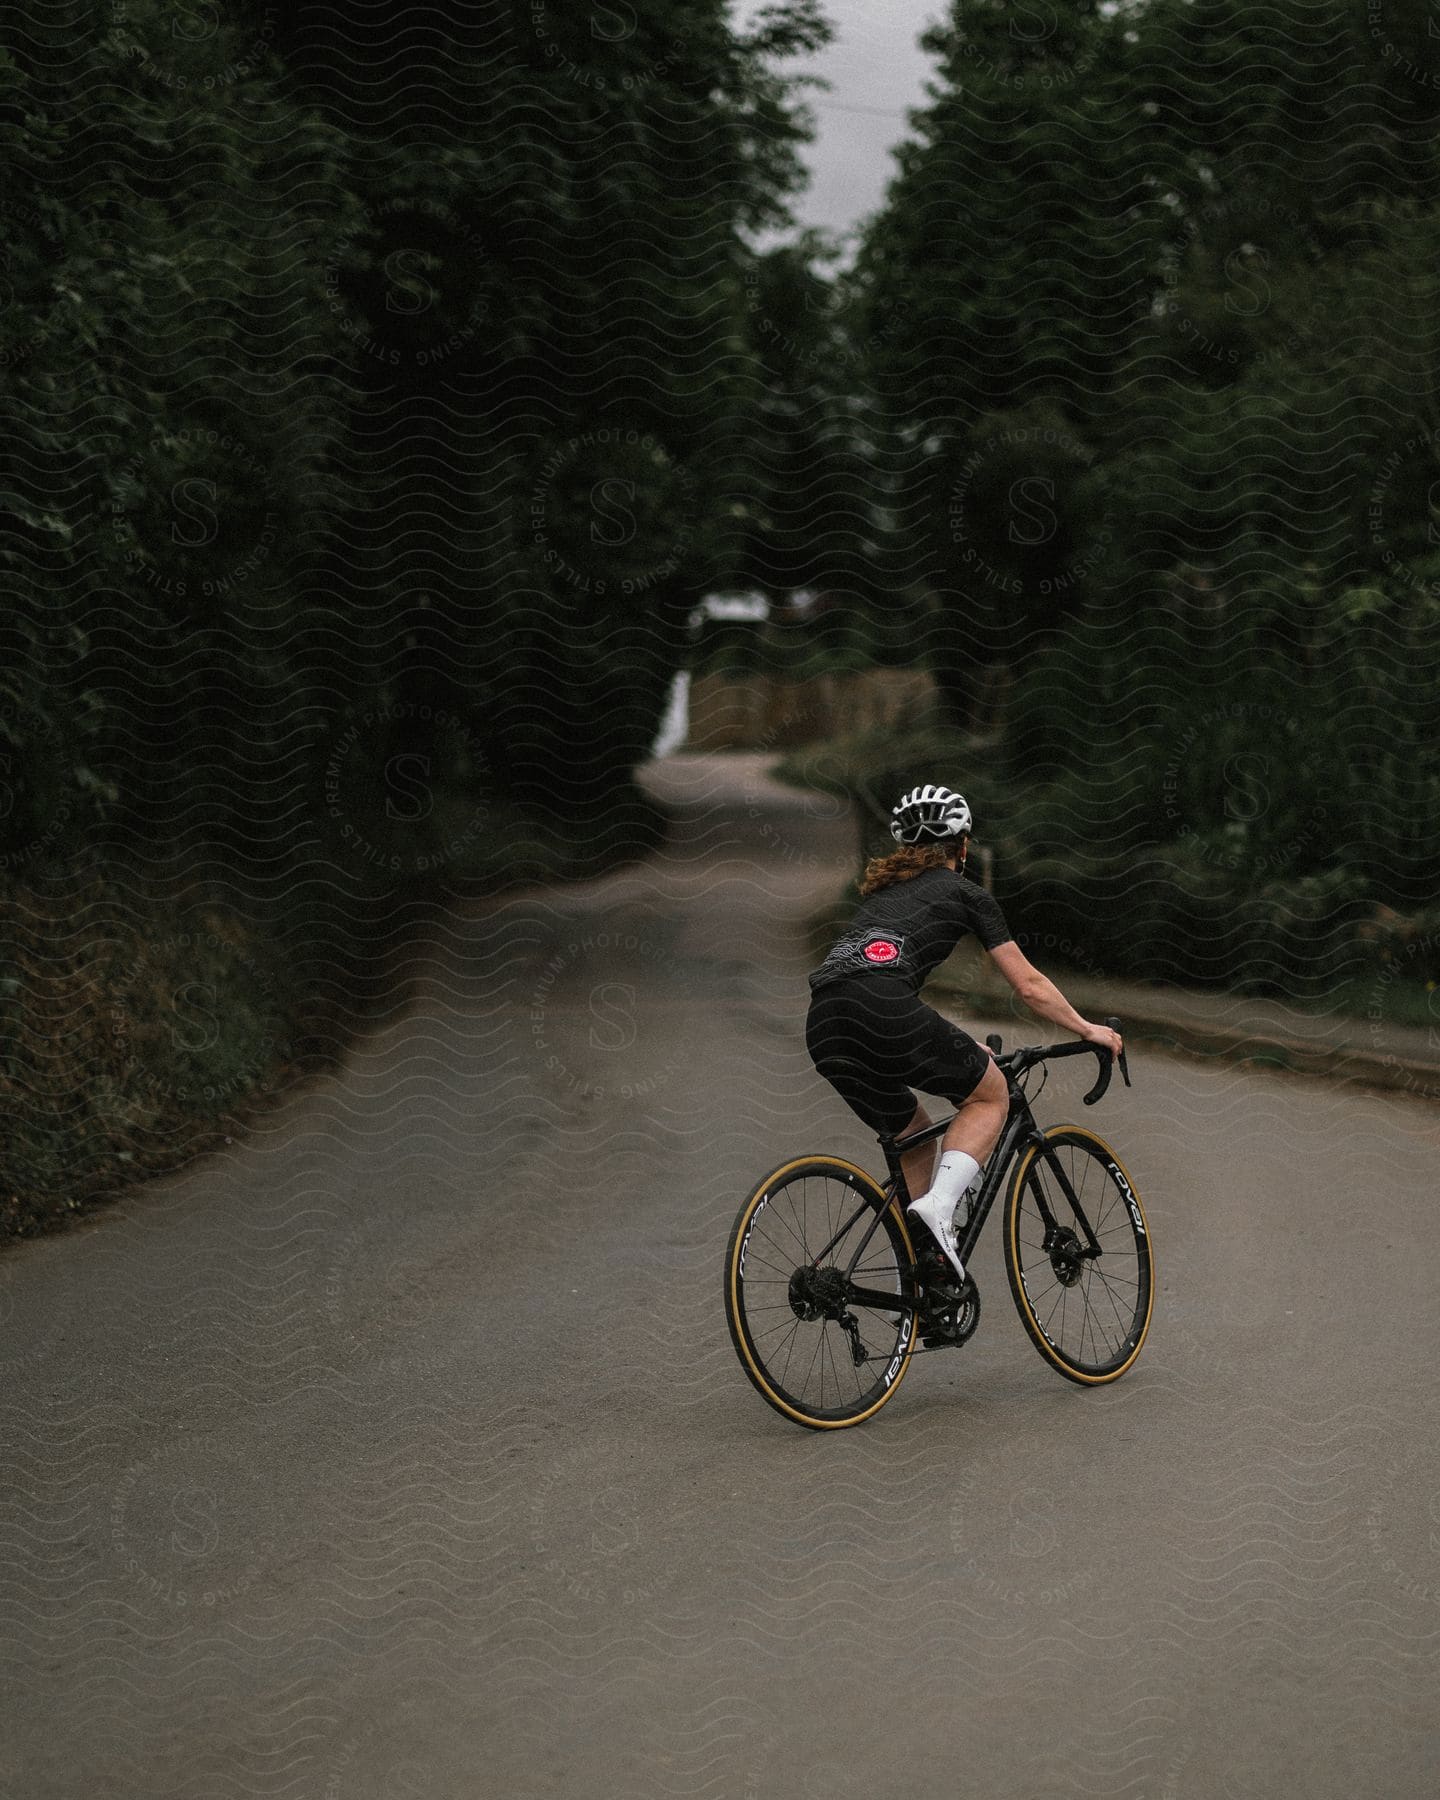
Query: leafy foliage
<point x="379" y="402"/>
<point x="384" y="387"/>
<point x="1151" y="303"/>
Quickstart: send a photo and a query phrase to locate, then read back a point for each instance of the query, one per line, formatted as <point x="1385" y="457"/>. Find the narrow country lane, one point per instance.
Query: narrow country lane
<point x="401" y="1450"/>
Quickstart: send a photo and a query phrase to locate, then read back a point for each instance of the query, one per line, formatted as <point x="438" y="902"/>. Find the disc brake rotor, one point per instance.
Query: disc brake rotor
<point x="1066" y="1253"/>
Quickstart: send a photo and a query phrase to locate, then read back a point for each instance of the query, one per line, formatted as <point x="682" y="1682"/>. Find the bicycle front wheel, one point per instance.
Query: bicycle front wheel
<point x="1086" y="1313"/>
<point x="823" y="1350"/>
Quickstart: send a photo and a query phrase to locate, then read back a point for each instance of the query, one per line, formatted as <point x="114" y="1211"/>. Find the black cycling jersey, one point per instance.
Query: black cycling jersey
<point x="908" y="929"/>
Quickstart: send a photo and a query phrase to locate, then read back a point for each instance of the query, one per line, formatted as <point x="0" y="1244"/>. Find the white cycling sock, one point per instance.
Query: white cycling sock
<point x="937" y="1206"/>
<point x="957" y="1170"/>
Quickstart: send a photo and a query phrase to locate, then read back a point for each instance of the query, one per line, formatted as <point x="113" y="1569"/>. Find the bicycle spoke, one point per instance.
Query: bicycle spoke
<point x="779" y="1249"/>
<point x="782" y="1269"/>
<point x="1115" y="1311"/>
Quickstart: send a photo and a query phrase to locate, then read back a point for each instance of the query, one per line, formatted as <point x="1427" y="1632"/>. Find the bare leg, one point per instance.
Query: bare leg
<point x="972" y="1134"/>
<point x="979" y="1120"/>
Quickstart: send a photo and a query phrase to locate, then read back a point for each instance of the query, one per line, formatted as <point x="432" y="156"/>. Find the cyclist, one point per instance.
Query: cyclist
<point x="873" y="1038"/>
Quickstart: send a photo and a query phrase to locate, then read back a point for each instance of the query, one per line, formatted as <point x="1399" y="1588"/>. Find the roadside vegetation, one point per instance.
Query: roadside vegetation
<point x="384" y="393"/>
<point x="1152" y="350"/>
<point x="380" y="399"/>
<point x="1187" y="908"/>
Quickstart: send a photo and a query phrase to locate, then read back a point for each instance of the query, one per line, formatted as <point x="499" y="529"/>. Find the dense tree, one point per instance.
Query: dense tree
<point x="1150" y="311"/>
<point x="384" y="390"/>
<point x="172" y="380"/>
<point x="1000" y="288"/>
<point x="370" y="370"/>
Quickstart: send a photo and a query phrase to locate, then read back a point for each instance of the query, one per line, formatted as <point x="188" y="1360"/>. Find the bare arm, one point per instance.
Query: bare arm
<point x="1045" y="1000"/>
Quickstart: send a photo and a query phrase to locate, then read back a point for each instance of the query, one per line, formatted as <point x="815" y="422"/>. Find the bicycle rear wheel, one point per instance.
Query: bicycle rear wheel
<point x="1087" y="1315"/>
<point x="786" y="1298"/>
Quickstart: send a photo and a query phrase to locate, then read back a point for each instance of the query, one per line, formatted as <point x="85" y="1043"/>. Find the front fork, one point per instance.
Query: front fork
<point x="1053" y="1229"/>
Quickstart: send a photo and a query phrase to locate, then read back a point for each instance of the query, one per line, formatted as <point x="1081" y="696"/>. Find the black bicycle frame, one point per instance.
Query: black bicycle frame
<point x="1019" y="1132"/>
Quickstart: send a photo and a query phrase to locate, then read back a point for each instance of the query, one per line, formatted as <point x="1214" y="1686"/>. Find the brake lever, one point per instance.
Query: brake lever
<point x="1114" y="1025"/>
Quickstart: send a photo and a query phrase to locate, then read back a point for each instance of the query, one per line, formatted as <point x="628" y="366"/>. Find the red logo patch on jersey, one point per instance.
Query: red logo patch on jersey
<point x="881" y="951"/>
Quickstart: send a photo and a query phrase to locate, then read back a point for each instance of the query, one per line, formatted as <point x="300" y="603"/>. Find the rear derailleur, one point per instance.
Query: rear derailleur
<point x="820" y="1294"/>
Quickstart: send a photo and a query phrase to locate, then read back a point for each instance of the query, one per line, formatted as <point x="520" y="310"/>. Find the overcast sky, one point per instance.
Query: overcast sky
<point x="875" y="71"/>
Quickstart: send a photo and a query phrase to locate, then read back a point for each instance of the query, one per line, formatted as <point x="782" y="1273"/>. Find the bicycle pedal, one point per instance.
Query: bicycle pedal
<point x="941" y="1287"/>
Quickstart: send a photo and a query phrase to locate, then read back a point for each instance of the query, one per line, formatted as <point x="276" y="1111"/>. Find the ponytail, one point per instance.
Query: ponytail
<point x="903" y="865"/>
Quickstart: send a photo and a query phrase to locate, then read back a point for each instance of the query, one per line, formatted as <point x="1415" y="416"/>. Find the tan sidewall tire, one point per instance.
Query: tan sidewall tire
<point x="856" y="1178"/>
<point x="1012" y="1258"/>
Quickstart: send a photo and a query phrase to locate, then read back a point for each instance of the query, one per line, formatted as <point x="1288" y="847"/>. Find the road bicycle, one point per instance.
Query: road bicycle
<point x="826" y="1292"/>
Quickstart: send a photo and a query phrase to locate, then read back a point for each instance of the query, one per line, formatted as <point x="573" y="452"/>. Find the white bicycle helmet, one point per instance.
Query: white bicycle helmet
<point x="929" y="815"/>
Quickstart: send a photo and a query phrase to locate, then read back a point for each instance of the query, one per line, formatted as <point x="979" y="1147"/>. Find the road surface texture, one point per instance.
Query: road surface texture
<point x="401" y="1450"/>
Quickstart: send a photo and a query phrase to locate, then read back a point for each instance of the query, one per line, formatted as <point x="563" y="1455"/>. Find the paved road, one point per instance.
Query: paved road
<point x="401" y="1450"/>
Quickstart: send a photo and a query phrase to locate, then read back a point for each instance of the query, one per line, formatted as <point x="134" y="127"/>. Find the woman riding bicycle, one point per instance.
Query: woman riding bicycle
<point x="872" y="1037"/>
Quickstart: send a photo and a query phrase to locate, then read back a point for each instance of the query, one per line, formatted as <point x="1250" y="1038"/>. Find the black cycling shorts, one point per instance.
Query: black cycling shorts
<point x="874" y="1041"/>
